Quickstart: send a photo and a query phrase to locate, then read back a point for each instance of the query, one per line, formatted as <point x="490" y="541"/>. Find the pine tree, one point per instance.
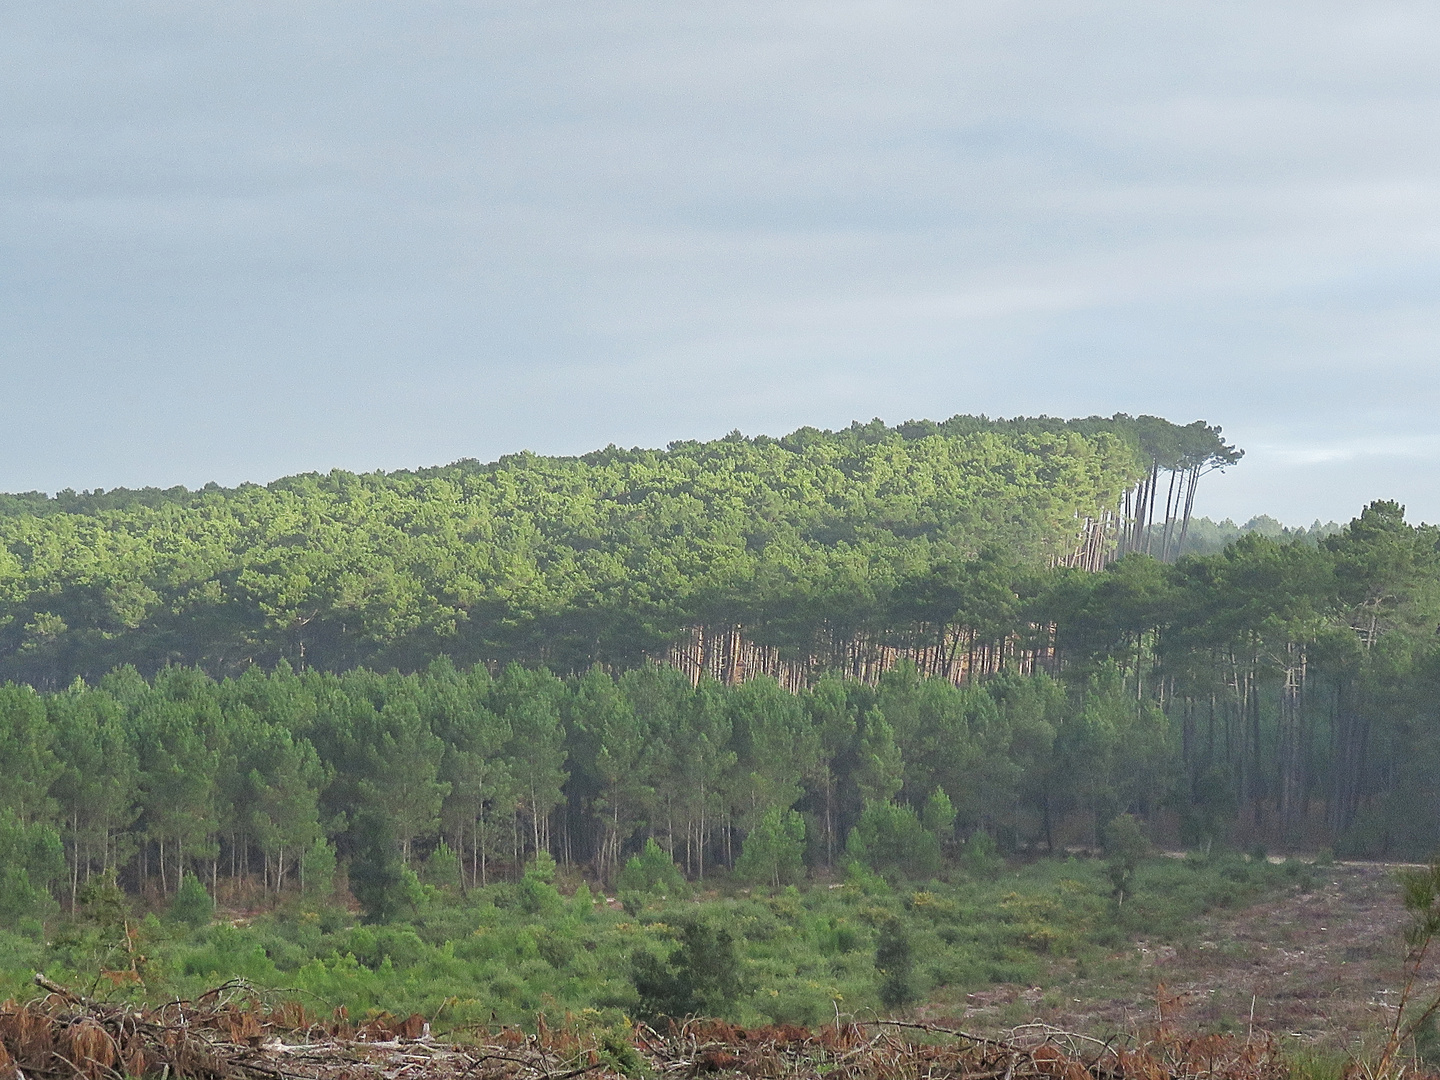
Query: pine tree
<point x="192" y="905"/>
<point x="773" y="852"/>
<point x="895" y="962"/>
<point x="376" y="877"/>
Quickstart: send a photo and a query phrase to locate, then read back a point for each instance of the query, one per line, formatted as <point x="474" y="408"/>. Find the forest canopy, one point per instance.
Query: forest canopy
<point x="203" y="686"/>
<point x="1280" y="692"/>
<point x="562" y="560"/>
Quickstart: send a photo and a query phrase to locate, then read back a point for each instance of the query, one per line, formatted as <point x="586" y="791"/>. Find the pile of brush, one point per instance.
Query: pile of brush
<point x="226" y="1034"/>
<point x="230" y="1034"/>
<point x="63" y="1035"/>
<point x="889" y="1050"/>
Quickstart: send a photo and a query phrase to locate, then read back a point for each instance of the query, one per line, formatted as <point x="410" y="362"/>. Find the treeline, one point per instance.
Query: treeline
<point x="268" y="777"/>
<point x="1285" y="693"/>
<point x="567" y="562"/>
<point x="1207" y="537"/>
<point x="1299" y="678"/>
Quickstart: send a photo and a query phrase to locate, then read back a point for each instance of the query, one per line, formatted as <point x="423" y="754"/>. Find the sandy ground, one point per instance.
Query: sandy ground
<point x="1323" y="967"/>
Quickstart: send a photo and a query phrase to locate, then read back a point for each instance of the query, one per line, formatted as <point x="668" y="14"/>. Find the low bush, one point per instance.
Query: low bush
<point x="501" y="953"/>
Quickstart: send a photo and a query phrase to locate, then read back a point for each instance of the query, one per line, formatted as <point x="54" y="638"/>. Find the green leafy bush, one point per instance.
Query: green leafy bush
<point x="31" y="858"/>
<point x="442" y="868"/>
<point x="1125" y="846"/>
<point x="980" y="855"/>
<point x="895" y="963"/>
<point x="891" y="839"/>
<point x="376" y="874"/>
<point x="537" y="894"/>
<point x="318" y="868"/>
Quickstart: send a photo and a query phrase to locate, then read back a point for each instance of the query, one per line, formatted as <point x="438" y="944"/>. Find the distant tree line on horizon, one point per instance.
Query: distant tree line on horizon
<point x="1208" y="537"/>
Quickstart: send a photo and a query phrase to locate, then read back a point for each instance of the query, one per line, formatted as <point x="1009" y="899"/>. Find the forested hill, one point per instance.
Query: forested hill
<point x="559" y="560"/>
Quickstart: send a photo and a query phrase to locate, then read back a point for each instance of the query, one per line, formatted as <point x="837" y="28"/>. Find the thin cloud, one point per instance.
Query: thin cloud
<point x="1420" y="447"/>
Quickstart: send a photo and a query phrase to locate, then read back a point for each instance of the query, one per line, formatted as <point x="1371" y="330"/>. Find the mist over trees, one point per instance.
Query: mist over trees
<point x="1207" y="537"/>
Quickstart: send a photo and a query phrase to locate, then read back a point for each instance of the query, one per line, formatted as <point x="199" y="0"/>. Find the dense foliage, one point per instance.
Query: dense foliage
<point x="564" y="561"/>
<point x="270" y="776"/>
<point x="1280" y="692"/>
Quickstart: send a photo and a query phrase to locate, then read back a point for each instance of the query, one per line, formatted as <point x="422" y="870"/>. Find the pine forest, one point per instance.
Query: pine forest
<point x="874" y="654"/>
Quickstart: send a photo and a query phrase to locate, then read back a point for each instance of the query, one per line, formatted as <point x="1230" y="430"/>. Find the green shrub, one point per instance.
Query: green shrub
<point x="442" y="868"/>
<point x="537" y="895"/>
<point x="891" y="839"/>
<point x="938" y="816"/>
<point x="895" y="962"/>
<point x="980" y="856"/>
<point x="374" y="945"/>
<point x="375" y="870"/>
<point x="101" y="902"/>
<point x="556" y="948"/>
<point x="652" y="871"/>
<point x="582" y="903"/>
<point x="1125" y="845"/>
<point x="31" y="859"/>
<point x="228" y="953"/>
<point x="838" y="937"/>
<point x="192" y="905"/>
<point x="774" y="852"/>
<point x="317" y="868"/>
<point x="805" y="1008"/>
<point x="701" y="977"/>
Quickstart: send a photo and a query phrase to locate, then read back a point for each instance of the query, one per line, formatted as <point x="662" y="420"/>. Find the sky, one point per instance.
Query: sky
<point x="241" y="240"/>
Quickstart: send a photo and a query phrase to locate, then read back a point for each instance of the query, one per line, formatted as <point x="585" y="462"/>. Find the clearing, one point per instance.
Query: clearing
<point x="1323" y="966"/>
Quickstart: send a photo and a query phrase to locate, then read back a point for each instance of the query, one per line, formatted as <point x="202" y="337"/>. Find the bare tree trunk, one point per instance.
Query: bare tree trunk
<point x="75" y="859"/>
<point x="1169" y="517"/>
<point x="1150" y="502"/>
<point x="1252" y="700"/>
<point x="1194" y="481"/>
<point x="1292" y="749"/>
<point x="1351" y="739"/>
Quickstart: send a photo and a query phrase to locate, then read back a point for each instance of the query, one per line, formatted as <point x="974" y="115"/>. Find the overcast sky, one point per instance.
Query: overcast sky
<point x="244" y="240"/>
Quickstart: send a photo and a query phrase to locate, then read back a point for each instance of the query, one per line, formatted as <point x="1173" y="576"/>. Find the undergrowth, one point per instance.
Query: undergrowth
<point x="504" y="953"/>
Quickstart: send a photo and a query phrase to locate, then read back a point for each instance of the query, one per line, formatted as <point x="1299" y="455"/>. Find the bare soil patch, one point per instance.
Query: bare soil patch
<point x="1324" y="967"/>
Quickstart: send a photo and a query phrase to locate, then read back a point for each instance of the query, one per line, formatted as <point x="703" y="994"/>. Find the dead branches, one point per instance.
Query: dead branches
<point x="230" y="1034"/>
